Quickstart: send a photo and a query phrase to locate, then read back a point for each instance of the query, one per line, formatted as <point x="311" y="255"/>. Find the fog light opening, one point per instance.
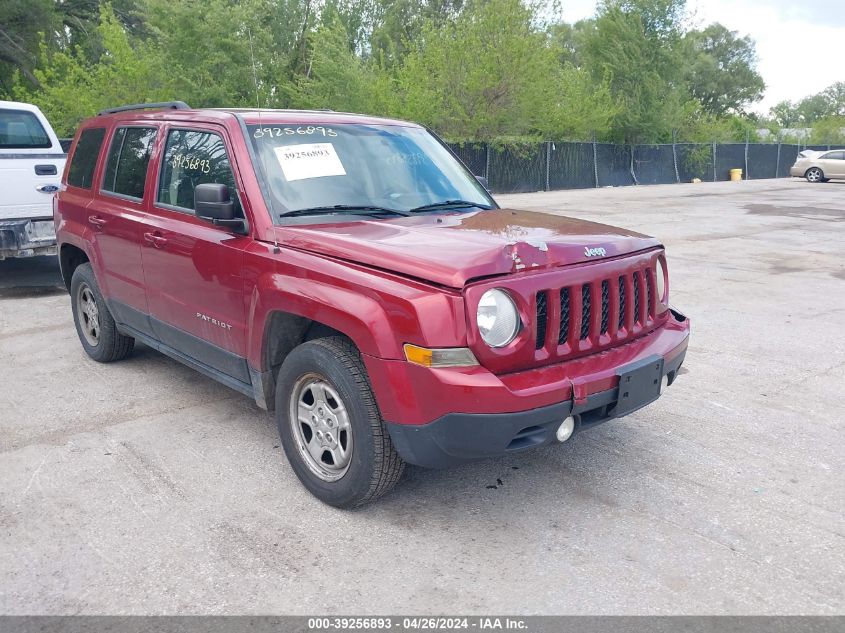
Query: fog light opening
<point x="564" y="431"/>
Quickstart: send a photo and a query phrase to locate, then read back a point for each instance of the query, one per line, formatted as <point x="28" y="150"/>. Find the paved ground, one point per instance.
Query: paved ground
<point x="143" y="487"/>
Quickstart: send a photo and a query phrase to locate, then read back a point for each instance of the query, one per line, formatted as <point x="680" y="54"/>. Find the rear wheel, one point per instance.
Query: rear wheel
<point x="330" y="426"/>
<point x="814" y="174"/>
<point x="94" y="323"/>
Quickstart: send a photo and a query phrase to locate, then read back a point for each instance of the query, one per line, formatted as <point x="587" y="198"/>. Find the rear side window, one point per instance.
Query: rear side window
<point x="129" y="155"/>
<point x="81" y="172"/>
<point x="20" y="129"/>
<point x="835" y="156"/>
<point x="193" y="158"/>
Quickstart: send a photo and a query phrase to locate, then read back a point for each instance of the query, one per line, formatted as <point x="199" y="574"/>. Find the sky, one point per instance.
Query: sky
<point x="800" y="43"/>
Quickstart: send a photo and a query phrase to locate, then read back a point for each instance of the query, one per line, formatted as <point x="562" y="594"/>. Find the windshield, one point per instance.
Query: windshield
<point x="311" y="169"/>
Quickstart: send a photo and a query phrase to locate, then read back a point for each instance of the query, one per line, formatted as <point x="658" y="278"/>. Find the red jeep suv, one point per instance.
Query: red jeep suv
<point x="351" y="274"/>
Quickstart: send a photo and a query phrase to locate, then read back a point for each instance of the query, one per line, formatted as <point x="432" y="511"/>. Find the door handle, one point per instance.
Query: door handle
<point x="96" y="220"/>
<point x="155" y="240"/>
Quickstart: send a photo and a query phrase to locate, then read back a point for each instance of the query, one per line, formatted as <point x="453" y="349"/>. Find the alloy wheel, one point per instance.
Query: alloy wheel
<point x="89" y="314"/>
<point x="321" y="427"/>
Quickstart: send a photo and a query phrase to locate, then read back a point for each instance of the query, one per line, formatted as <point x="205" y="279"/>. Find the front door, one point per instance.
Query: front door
<point x="193" y="269"/>
<point x="833" y="164"/>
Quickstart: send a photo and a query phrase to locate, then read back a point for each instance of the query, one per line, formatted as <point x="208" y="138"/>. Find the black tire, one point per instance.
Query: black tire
<point x="814" y="175"/>
<point x="109" y="345"/>
<point x="374" y="467"/>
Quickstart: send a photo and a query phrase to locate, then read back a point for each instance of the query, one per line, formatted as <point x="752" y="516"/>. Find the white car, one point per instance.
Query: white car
<point x="818" y="166"/>
<point x="31" y="166"/>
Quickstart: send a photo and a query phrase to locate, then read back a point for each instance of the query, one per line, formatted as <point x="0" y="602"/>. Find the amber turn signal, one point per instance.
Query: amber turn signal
<point x="445" y="357"/>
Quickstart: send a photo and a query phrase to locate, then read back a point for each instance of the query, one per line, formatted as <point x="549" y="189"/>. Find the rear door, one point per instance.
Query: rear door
<point x="116" y="217"/>
<point x="31" y="164"/>
<point x="193" y="269"/>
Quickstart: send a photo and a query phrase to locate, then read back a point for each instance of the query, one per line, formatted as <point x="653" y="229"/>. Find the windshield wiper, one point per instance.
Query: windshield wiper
<point x="449" y="203"/>
<point x="351" y="209"/>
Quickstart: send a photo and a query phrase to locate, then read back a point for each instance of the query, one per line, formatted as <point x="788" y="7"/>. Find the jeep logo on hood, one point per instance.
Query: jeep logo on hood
<point x="594" y="252"/>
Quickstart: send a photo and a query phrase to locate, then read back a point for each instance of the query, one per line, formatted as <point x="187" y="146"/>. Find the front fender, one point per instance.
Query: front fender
<point x="379" y="311"/>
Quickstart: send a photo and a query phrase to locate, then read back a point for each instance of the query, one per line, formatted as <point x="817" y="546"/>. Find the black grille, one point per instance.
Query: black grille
<point x="605" y="305"/>
<point x="542" y="300"/>
<point x="564" y="316"/>
<point x="585" y="311"/>
<point x="635" y="289"/>
<point x="636" y="297"/>
<point x="622" y="305"/>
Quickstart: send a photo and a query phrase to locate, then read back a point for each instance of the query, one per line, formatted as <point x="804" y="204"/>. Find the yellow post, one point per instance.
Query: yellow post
<point x="736" y="175"/>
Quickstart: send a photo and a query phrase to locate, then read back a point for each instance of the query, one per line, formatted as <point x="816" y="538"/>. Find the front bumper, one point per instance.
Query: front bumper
<point x="27" y="237"/>
<point x="456" y="438"/>
<point x="440" y="417"/>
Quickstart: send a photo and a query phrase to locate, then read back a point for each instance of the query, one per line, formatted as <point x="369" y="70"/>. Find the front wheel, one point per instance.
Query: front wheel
<point x="330" y="425"/>
<point x="814" y="174"/>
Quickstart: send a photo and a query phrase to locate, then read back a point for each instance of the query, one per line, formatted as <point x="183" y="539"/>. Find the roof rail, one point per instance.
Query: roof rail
<point x="164" y="105"/>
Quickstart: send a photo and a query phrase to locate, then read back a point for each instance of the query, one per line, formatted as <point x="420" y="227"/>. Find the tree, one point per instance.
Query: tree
<point x="485" y="74"/>
<point x="27" y="25"/>
<point x="335" y="77"/>
<point x="637" y="45"/>
<point x="835" y="95"/>
<point x="722" y="74"/>
<point x="210" y="48"/>
<point x="70" y="88"/>
<point x="784" y="114"/>
<point x="829" y="131"/>
<point x="20" y="21"/>
<point x="828" y="103"/>
<point x="397" y="24"/>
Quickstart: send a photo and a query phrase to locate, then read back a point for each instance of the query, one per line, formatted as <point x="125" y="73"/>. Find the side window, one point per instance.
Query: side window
<point x="836" y="155"/>
<point x="81" y="171"/>
<point x="193" y="158"/>
<point x="129" y="155"/>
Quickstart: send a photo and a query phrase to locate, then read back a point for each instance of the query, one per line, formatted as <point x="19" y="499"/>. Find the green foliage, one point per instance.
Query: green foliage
<point x="72" y="88"/>
<point x="335" y="77"/>
<point x="490" y="84"/>
<point x="206" y="48"/>
<point x="830" y="102"/>
<point x="471" y="69"/>
<point x="504" y="79"/>
<point x="829" y="131"/>
<point x="698" y="160"/>
<point x="704" y="127"/>
<point x="20" y="21"/>
<point x="722" y="75"/>
<point x="637" y="44"/>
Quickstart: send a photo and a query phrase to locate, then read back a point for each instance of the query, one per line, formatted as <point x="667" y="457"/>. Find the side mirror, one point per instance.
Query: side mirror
<point x="213" y="204"/>
<point x="483" y="182"/>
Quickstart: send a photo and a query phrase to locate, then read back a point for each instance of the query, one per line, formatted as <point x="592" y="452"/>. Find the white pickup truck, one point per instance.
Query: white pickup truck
<point x="31" y="166"/>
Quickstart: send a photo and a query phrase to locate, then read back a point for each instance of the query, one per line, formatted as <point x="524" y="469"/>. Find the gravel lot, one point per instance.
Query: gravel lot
<point x="145" y="488"/>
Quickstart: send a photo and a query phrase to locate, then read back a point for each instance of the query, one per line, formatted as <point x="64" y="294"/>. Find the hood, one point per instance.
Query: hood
<point x="452" y="249"/>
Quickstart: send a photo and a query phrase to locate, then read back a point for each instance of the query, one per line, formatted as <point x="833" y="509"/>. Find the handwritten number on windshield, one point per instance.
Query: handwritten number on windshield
<point x="302" y="130"/>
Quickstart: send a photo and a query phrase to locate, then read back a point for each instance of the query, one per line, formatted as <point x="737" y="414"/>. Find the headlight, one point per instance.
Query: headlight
<point x="660" y="273"/>
<point x="497" y="318"/>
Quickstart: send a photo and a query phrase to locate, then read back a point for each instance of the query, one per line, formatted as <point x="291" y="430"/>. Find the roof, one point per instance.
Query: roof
<point x="18" y="105"/>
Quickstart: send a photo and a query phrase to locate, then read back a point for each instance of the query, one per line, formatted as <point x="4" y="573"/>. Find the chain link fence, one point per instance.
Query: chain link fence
<point x="546" y="166"/>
